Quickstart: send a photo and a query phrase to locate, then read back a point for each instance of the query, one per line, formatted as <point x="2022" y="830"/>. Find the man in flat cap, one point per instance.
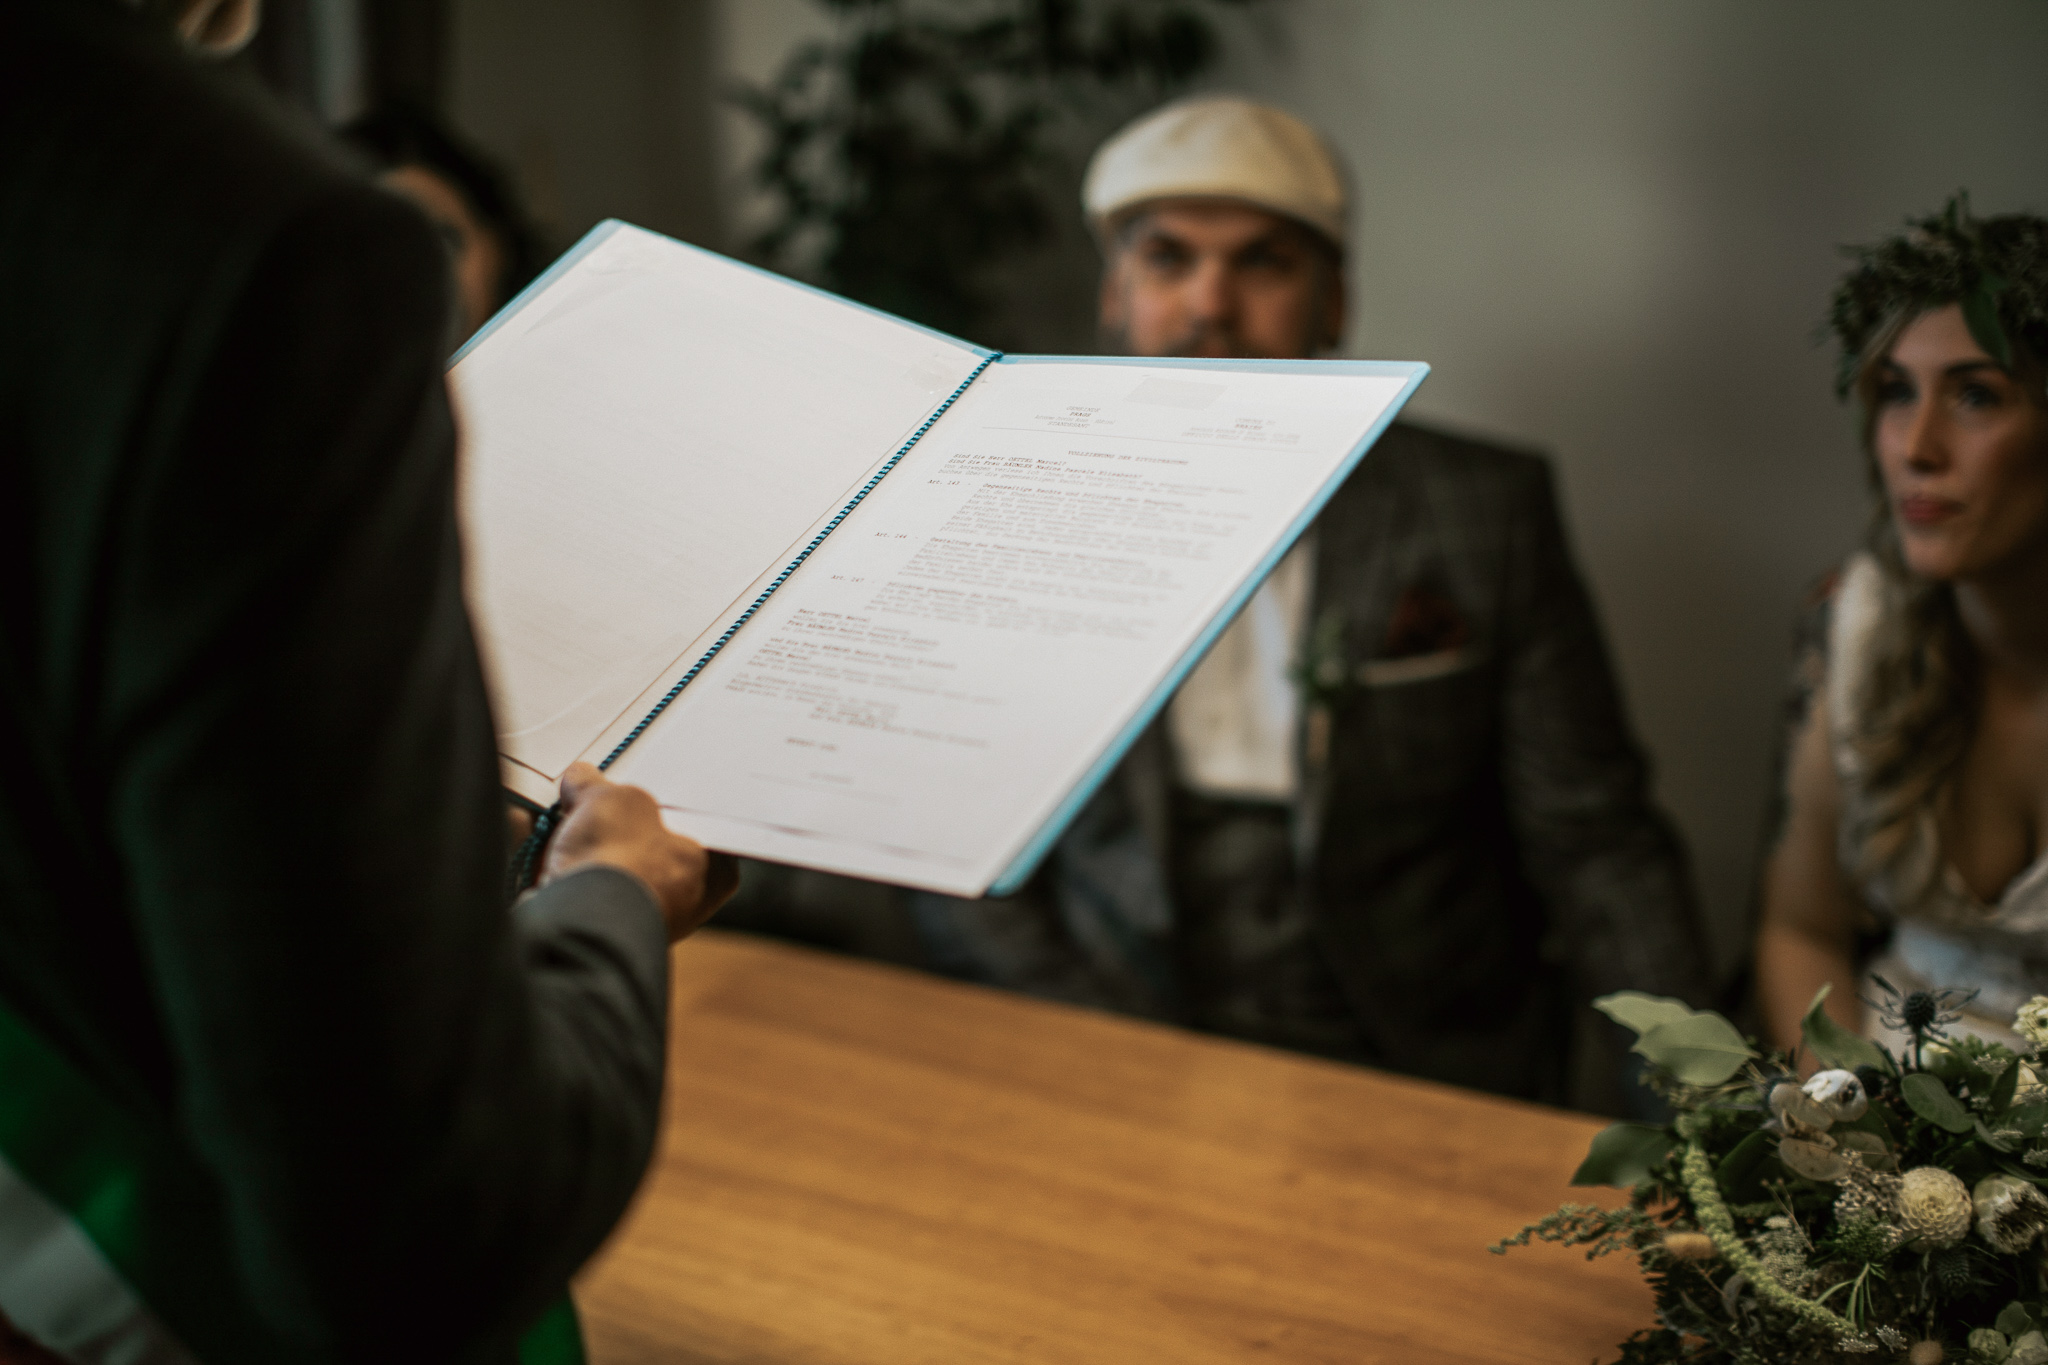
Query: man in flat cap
<point x="1396" y="816"/>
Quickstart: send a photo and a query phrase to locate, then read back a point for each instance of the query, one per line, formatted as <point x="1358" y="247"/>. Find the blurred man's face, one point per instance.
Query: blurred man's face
<point x="1212" y="277"/>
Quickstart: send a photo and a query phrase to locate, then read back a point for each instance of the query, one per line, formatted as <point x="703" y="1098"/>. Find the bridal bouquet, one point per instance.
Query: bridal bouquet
<point x="1887" y="1208"/>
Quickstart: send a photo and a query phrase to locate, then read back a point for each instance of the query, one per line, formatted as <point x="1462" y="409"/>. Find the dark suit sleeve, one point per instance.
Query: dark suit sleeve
<point x="424" y="1111"/>
<point x="1608" y="862"/>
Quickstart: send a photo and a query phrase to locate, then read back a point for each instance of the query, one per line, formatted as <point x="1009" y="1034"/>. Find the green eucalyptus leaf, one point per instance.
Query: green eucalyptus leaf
<point x="1980" y="312"/>
<point x="2015" y="1320"/>
<point x="1835" y="1045"/>
<point x="1635" y="1010"/>
<point x="1939" y="1059"/>
<point x="2029" y="1118"/>
<point x="1868" y="1148"/>
<point x="1873" y="1121"/>
<point x="1738" y="1170"/>
<point x="1930" y="1099"/>
<point x="1984" y="1135"/>
<point x="2004" y="1088"/>
<point x="1701" y="1049"/>
<point x="1623" y="1155"/>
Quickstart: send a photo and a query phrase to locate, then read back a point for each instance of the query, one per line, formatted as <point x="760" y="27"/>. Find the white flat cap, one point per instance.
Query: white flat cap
<point x="1223" y="147"/>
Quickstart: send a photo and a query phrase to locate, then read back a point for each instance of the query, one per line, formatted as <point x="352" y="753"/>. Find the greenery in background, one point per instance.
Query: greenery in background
<point x="1996" y="268"/>
<point x="930" y="143"/>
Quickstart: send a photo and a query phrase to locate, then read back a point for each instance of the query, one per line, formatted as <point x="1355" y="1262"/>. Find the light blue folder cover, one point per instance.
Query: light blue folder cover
<point x="1019" y="871"/>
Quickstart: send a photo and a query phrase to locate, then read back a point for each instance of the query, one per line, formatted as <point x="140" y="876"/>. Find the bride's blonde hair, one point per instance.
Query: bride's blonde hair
<point x="1917" y="702"/>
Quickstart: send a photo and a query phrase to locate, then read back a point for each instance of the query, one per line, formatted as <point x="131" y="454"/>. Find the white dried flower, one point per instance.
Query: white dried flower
<point x="2031" y="1023"/>
<point x="1838" y="1094"/>
<point x="2010" y="1212"/>
<point x="1988" y="1343"/>
<point x="2030" y="1349"/>
<point x="1934" y="1206"/>
<point x="2036" y="1156"/>
<point x="2030" y="1089"/>
<point x="1782" y="1247"/>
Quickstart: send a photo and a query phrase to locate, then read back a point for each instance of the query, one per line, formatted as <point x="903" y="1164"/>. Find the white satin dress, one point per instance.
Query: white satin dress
<point x="1943" y="936"/>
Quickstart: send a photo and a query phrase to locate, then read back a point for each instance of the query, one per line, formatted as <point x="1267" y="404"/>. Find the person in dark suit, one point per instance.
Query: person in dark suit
<point x="282" y="1076"/>
<point x="1396" y="816"/>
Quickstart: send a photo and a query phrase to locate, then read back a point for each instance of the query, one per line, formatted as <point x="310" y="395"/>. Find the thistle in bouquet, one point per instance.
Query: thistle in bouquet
<point x="1885" y="1207"/>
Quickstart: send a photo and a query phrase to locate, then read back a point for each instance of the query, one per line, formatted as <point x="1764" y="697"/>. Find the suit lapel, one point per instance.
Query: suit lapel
<point x="1364" y="540"/>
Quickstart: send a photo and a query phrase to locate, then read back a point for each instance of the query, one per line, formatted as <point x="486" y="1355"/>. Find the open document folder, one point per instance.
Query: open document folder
<point x="847" y="593"/>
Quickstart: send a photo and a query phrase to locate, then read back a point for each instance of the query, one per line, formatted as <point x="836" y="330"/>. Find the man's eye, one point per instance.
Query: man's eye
<point x="1164" y="257"/>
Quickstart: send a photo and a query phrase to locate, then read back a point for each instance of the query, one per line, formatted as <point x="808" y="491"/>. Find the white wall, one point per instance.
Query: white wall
<point x="600" y="108"/>
<point x="751" y="40"/>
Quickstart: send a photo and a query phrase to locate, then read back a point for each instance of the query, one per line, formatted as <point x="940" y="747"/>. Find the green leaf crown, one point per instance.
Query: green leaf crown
<point x="1996" y="268"/>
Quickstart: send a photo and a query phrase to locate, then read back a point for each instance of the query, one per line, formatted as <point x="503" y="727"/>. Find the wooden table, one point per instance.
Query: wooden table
<point x="861" y="1164"/>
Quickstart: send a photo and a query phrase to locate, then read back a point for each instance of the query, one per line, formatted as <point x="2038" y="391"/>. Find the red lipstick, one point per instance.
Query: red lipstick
<point x="1921" y="509"/>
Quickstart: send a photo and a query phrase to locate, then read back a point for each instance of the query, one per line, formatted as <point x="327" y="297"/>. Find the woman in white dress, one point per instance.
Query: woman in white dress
<point x="1915" y="843"/>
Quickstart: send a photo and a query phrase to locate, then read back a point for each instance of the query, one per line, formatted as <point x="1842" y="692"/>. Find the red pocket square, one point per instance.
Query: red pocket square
<point x="1425" y="621"/>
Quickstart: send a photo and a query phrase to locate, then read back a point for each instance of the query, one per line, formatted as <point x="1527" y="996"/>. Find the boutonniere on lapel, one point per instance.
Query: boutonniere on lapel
<point x="1322" y="673"/>
<point x="1426" y="638"/>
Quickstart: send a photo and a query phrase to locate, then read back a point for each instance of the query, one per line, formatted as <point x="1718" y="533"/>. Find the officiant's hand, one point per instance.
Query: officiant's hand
<point x="606" y="823"/>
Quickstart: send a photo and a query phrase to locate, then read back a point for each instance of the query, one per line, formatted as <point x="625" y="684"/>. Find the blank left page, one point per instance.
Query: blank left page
<point x="640" y="442"/>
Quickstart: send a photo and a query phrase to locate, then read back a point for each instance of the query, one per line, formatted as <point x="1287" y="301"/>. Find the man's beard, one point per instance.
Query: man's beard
<point x="1227" y="345"/>
<point x="1189" y="345"/>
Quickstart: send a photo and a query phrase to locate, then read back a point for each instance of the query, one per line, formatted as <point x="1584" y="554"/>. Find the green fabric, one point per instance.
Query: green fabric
<point x="149" y="1210"/>
<point x="557" y="1339"/>
<point x="150" y="1214"/>
<point x="93" y="1179"/>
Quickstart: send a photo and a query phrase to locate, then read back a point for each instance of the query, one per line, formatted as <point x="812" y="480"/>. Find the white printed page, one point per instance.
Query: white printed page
<point x="919" y="698"/>
<point x="640" y="443"/>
